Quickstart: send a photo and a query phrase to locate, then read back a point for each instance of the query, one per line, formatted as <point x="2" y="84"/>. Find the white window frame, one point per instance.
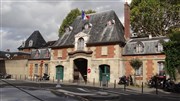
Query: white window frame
<point x="104" y="50"/>
<point x="139" y="72"/>
<point x="139" y="48"/>
<point x="36" y="69"/>
<point x="80" y="44"/>
<point x="161" y="66"/>
<point x="30" y="43"/>
<point x="59" y="53"/>
<point x="159" y="47"/>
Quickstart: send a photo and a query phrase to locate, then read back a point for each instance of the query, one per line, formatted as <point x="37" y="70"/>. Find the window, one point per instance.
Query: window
<point x="139" y="71"/>
<point x="139" y="48"/>
<point x="86" y="26"/>
<point x="46" y="69"/>
<point x="30" y="43"/>
<point x="104" y="50"/>
<point x="80" y="44"/>
<point x="159" y="47"/>
<point x="59" y="53"/>
<point x="23" y="44"/>
<point x="36" y="69"/>
<point x="160" y="67"/>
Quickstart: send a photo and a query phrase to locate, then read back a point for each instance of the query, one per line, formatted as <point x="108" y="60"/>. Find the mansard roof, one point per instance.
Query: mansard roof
<point x="36" y="39"/>
<point x="149" y="45"/>
<point x="100" y="32"/>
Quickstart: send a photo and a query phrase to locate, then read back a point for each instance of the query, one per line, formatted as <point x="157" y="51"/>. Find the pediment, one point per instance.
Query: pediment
<point x="81" y="34"/>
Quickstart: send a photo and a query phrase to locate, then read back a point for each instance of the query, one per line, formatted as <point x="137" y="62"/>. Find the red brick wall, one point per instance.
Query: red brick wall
<point x="148" y="66"/>
<point x="64" y="53"/>
<point x="55" y="53"/>
<point x="149" y="69"/>
<point x="31" y="69"/>
<point x="110" y="50"/>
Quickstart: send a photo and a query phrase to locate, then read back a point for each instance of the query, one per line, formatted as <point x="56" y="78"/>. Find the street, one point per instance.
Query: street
<point x="33" y="91"/>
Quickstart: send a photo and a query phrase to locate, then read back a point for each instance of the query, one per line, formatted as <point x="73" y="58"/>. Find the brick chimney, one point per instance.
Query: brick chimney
<point x="126" y="20"/>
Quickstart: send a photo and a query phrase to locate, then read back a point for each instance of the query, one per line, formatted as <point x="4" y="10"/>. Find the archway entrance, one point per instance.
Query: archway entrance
<point x="80" y="70"/>
<point x="104" y="70"/>
<point x="60" y="72"/>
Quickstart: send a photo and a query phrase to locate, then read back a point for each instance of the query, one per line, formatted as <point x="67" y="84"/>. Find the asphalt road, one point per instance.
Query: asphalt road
<point x="42" y="91"/>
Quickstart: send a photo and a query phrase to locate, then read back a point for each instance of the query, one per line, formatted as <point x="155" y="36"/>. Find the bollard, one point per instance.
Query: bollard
<point x="125" y="87"/>
<point x="93" y="81"/>
<point x="142" y="87"/>
<point x="114" y="83"/>
<point x="107" y="83"/>
<point x="24" y="77"/>
<point x="16" y="77"/>
<point x="156" y="87"/>
<point x="53" y="79"/>
<point x="100" y="83"/>
<point x="20" y="77"/>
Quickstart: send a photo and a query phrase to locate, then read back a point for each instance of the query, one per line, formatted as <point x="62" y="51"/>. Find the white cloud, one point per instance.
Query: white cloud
<point x="20" y="19"/>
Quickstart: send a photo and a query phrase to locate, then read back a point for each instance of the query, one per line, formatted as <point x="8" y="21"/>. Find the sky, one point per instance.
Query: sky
<point x="20" y="18"/>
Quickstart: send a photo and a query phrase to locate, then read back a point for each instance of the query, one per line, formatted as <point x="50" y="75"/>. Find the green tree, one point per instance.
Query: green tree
<point x="172" y="52"/>
<point x="71" y="16"/>
<point x="156" y="17"/>
<point x="136" y="63"/>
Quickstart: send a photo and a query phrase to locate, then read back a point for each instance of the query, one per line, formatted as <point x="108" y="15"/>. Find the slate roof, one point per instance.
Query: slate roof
<point x="37" y="39"/>
<point x="11" y="55"/>
<point x="50" y="43"/>
<point x="149" y="45"/>
<point x="42" y="54"/>
<point x="99" y="33"/>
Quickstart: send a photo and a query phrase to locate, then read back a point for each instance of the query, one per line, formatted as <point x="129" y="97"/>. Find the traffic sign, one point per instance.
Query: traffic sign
<point x="89" y="70"/>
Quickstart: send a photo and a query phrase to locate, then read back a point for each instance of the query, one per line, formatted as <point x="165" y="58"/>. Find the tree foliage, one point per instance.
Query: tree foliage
<point x="172" y="52"/>
<point x="136" y="63"/>
<point x="71" y="16"/>
<point x="155" y="17"/>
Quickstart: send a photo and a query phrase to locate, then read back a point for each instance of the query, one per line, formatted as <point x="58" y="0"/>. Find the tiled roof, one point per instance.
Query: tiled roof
<point x="99" y="32"/>
<point x="36" y="39"/>
<point x="149" y="45"/>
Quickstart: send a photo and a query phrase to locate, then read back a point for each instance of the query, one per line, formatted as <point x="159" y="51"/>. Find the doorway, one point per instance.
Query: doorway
<point x="104" y="70"/>
<point x="80" y="70"/>
<point x="60" y="72"/>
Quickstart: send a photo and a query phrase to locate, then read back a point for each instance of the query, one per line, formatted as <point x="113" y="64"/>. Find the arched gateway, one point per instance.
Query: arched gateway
<point x="80" y="70"/>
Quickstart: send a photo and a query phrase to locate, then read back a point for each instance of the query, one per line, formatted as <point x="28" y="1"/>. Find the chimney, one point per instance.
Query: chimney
<point x="126" y="20"/>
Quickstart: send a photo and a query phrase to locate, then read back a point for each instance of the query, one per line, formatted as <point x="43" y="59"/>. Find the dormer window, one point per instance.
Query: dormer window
<point x="159" y="47"/>
<point x="110" y="22"/>
<point x="30" y="43"/>
<point x="87" y="26"/>
<point x="68" y="29"/>
<point x="139" y="47"/>
<point x="80" y="44"/>
<point x="23" y="44"/>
